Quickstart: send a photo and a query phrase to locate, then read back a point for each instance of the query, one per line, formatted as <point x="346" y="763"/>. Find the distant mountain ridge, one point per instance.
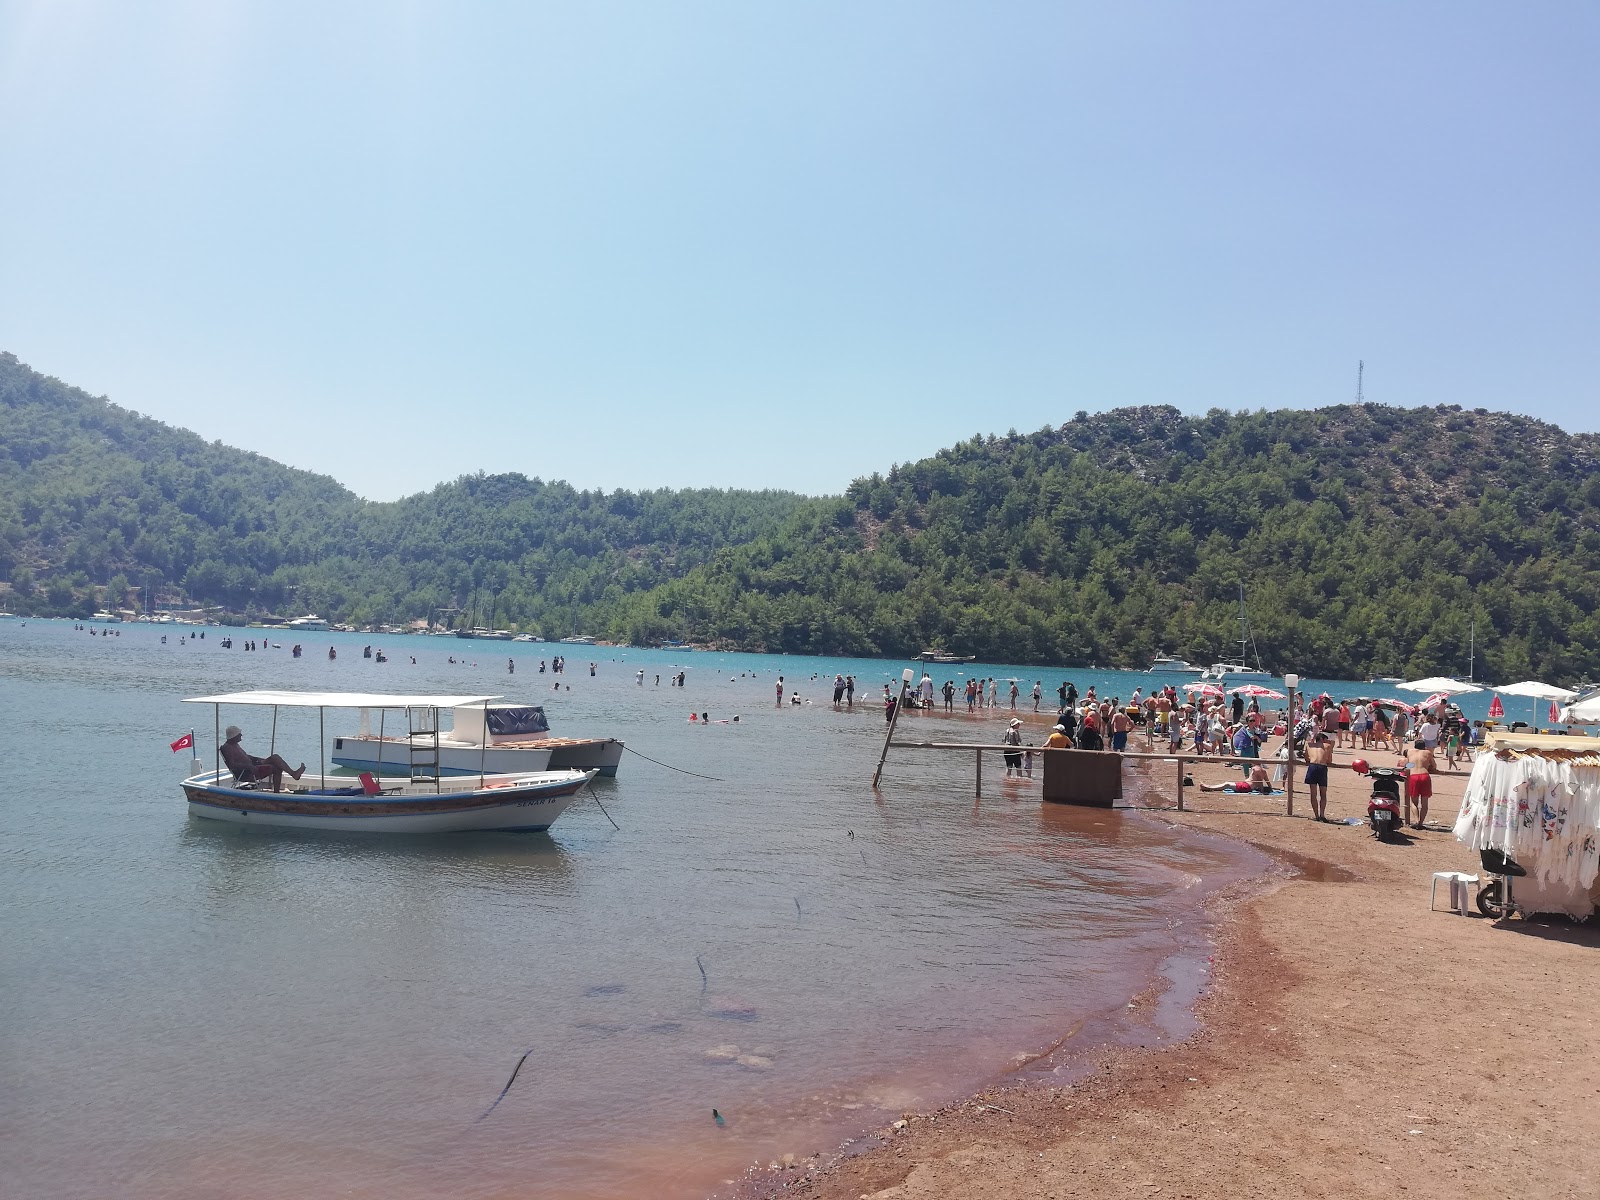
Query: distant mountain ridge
<point x="1369" y="540"/>
<point x="92" y="495"/>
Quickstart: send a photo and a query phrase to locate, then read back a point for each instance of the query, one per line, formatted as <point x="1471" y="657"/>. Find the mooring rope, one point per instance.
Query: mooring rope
<point x="670" y="767"/>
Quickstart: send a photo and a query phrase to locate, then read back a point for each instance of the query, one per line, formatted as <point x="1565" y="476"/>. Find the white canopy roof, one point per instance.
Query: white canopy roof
<point x="268" y="697"/>
<point x="1439" y="683"/>
<point x="1539" y="691"/>
<point x="1585" y="711"/>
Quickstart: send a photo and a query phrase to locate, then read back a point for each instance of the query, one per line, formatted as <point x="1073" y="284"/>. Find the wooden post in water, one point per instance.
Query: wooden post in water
<point x="894" y="719"/>
<point x="978" y="793"/>
<point x="1180" y="784"/>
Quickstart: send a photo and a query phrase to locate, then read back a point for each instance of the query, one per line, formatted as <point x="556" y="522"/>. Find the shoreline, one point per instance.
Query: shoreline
<point x="1345" y="1046"/>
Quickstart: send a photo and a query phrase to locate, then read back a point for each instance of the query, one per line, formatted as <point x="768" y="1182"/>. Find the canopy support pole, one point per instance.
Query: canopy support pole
<point x="322" y="745"/>
<point x="216" y="721"/>
<point x="274" y="747"/>
<point x="483" y="748"/>
<point x="382" y="712"/>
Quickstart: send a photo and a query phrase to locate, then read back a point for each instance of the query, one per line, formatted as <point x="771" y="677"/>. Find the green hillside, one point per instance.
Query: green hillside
<point x="94" y="498"/>
<point x="1368" y="540"/>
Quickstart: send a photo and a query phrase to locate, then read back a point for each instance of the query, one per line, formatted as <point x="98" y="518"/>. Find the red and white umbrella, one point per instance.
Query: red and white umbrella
<point x="1440" y="698"/>
<point x="1555" y="713"/>
<point x="1496" y="709"/>
<point x="1204" y="689"/>
<point x="1255" y="689"/>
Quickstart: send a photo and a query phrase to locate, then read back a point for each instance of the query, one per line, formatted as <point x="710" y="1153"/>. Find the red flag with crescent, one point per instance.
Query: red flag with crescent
<point x="183" y="743"/>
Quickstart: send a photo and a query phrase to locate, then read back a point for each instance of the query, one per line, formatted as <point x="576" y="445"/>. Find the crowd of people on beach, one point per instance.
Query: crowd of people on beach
<point x="1215" y="723"/>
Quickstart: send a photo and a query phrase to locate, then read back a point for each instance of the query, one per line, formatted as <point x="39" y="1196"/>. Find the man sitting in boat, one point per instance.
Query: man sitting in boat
<point x="247" y="768"/>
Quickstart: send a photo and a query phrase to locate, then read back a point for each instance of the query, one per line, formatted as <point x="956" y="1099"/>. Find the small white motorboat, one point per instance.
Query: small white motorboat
<point x="1164" y="662"/>
<point x="494" y="738"/>
<point x="420" y="800"/>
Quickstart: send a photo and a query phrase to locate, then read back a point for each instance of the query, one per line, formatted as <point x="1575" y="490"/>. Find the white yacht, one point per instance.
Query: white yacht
<point x="1164" y="662"/>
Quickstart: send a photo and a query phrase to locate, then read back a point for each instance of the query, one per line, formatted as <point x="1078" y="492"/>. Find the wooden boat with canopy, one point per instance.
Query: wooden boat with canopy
<point x="409" y="794"/>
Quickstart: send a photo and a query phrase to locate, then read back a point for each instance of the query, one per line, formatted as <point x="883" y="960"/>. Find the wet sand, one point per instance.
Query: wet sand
<point x="1352" y="1044"/>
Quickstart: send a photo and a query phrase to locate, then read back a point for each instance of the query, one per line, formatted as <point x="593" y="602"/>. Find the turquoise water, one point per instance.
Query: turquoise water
<point x="195" y="1009"/>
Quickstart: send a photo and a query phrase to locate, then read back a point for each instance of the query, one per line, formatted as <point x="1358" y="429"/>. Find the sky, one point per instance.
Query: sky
<point x="748" y="244"/>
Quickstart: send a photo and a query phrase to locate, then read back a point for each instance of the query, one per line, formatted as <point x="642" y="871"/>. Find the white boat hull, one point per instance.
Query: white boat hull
<point x="520" y="804"/>
<point x="601" y="755"/>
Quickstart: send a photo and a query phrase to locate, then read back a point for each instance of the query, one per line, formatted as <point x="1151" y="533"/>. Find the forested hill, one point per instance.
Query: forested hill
<point x="1367" y="539"/>
<point x="94" y="498"/>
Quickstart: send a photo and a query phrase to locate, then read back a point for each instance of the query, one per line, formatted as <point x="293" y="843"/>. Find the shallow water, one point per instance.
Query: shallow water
<point x="195" y="1009"/>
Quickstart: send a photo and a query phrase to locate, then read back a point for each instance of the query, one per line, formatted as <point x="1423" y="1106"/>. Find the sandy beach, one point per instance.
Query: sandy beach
<point x="1352" y="1043"/>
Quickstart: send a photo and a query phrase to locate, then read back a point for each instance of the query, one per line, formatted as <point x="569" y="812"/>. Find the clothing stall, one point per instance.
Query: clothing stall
<point x="1536" y="799"/>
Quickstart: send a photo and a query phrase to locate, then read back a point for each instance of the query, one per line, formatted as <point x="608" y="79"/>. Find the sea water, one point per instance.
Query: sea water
<point x="198" y="1009"/>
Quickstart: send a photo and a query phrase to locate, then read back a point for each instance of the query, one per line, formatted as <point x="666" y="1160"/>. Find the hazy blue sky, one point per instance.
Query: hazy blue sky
<point x="752" y="244"/>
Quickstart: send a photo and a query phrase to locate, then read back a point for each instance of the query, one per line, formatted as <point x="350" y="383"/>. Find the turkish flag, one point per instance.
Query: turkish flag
<point x="183" y="743"/>
<point x="1496" y="709"/>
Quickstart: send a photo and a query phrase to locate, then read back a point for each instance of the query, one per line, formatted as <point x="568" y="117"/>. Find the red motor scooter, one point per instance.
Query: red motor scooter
<point x="1383" y="808"/>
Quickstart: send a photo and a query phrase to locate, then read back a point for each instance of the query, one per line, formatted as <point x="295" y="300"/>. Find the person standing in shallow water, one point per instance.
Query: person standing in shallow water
<point x="849" y="691"/>
<point x="780" y="691"/>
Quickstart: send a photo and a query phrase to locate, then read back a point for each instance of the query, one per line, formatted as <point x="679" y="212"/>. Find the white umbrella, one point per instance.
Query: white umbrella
<point x="1439" y="683"/>
<point x="1535" y="690"/>
<point x="1539" y="691"/>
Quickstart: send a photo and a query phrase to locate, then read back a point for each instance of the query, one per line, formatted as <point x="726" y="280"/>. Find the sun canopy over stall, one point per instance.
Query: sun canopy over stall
<point x="269" y="698"/>
<point x="1584" y="710"/>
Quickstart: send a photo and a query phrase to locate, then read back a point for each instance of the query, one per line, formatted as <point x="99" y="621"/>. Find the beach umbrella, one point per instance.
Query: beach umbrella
<point x="1436" y="698"/>
<point x="1439" y="683"/>
<point x="1539" y="691"/>
<point x="1555" y="712"/>
<point x="1204" y="689"/>
<point x="1535" y="690"/>
<point x="1389" y="702"/>
<point x="1255" y="689"/>
<point x="1496" y="709"/>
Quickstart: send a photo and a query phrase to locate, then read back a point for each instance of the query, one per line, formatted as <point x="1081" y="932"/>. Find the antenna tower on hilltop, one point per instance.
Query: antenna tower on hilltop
<point x="1361" y="369"/>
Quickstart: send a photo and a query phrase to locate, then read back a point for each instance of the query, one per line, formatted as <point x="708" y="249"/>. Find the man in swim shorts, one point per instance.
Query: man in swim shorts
<point x="1419" y="781"/>
<point x="1120" y="725"/>
<point x="1318" y="755"/>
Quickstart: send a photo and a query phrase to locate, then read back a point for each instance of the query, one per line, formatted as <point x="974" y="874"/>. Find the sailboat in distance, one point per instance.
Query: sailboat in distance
<point x="1238" y="669"/>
